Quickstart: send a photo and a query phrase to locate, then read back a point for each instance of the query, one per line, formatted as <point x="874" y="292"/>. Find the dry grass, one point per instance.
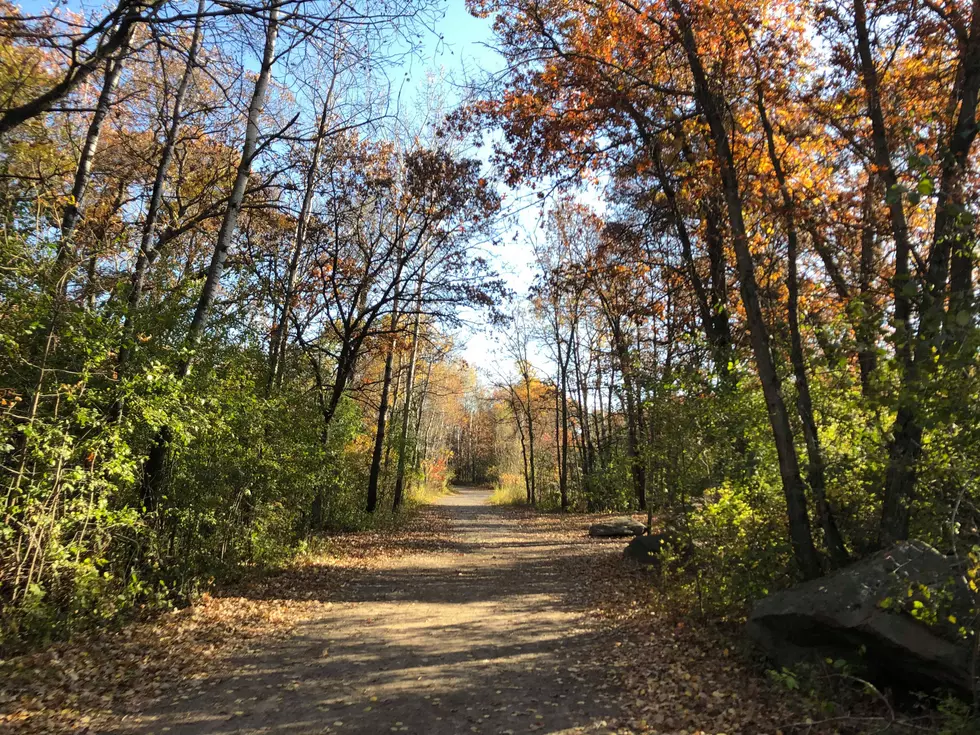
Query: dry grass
<point x="508" y="490"/>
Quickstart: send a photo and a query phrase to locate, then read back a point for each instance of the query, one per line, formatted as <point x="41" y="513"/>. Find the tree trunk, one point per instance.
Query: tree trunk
<point x="152" y="482"/>
<point x="599" y="421"/>
<point x="718" y="354"/>
<point x="637" y="467"/>
<point x="722" y="328"/>
<point x="76" y="201"/>
<point x="117" y="39"/>
<point x="621" y="349"/>
<point x="582" y="392"/>
<point x="472" y="453"/>
<point x="230" y="222"/>
<point x="379" y="438"/>
<point x="409" y="387"/>
<point x="561" y="414"/>
<point x="610" y="389"/>
<point x="529" y="412"/>
<point x="565" y="418"/>
<point x="280" y="330"/>
<point x="793" y="487"/>
<point x="867" y="320"/>
<point x="392" y="411"/>
<point x="374" y="477"/>
<point x="558" y="447"/>
<point x="951" y="239"/>
<point x="515" y="407"/>
<point x="954" y="235"/>
<point x="815" y="471"/>
<point x="147" y="251"/>
<point x="419" y="449"/>
<point x="717" y="328"/>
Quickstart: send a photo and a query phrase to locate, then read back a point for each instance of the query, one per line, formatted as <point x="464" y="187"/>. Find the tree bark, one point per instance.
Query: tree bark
<point x="954" y="234"/>
<point x="563" y="477"/>
<point x="529" y="407"/>
<point x="374" y="475"/>
<point x="147" y="250"/>
<point x="793" y="487"/>
<point x="280" y="331"/>
<point x="229" y="223"/>
<point x="903" y="452"/>
<point x="561" y="410"/>
<point x="637" y="466"/>
<point x="816" y="470"/>
<point x="518" y="411"/>
<point x="868" y="319"/>
<point x="83" y="171"/>
<point x="409" y="388"/>
<point x="122" y="22"/>
<point x="582" y="391"/>
<point x="159" y="450"/>
<point x="419" y="449"/>
<point x="951" y="240"/>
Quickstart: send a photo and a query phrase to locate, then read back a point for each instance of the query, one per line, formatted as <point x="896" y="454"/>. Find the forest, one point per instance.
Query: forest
<point x="236" y="275"/>
<point x="766" y="328"/>
<point x="227" y="295"/>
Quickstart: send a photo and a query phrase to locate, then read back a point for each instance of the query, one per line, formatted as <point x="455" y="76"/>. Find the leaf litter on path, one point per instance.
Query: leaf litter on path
<point x="659" y="670"/>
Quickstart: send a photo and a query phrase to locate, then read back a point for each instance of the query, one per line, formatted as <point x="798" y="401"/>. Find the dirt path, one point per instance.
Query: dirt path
<point x="478" y="638"/>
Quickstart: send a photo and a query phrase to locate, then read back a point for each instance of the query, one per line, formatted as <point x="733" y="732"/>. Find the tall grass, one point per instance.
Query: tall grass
<point x="509" y="490"/>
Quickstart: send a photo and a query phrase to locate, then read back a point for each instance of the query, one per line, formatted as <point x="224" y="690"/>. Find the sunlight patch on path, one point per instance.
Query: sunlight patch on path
<point x="474" y="639"/>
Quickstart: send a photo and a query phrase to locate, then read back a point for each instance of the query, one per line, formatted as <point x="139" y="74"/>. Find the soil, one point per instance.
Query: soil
<point x="482" y="634"/>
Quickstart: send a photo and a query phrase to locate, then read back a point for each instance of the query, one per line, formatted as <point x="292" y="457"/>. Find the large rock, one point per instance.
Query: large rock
<point x="649" y="550"/>
<point x="864" y="614"/>
<point x="617" y="528"/>
<point x="646" y="549"/>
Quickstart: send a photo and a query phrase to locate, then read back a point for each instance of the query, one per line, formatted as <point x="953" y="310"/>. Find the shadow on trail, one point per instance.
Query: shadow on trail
<point x="477" y="637"/>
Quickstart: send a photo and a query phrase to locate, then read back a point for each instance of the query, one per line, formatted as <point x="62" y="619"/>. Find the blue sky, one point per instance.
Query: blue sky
<point x="464" y="53"/>
<point x="467" y="53"/>
<point x="457" y="51"/>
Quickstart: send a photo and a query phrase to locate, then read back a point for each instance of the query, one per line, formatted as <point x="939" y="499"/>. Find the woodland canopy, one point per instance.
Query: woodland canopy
<point x="231" y="278"/>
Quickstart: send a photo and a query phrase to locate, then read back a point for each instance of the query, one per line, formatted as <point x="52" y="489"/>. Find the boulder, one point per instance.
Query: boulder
<point x="646" y="549"/>
<point x="617" y="528"/>
<point x="865" y="614"/>
<point x="649" y="549"/>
